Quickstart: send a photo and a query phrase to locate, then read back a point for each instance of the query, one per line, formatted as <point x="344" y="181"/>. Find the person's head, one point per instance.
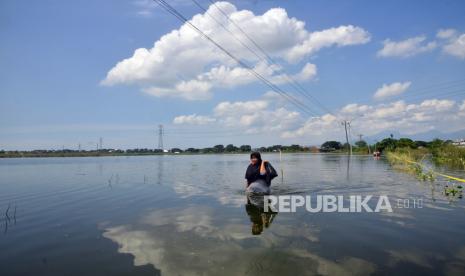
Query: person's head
<point x="255" y="158"/>
<point x="257" y="228"/>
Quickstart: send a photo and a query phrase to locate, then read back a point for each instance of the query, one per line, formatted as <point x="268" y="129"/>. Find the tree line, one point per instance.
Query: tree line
<point x="361" y="146"/>
<point x="387" y="144"/>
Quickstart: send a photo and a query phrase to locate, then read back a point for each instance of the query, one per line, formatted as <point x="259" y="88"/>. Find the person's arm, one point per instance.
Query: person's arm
<point x="262" y="168"/>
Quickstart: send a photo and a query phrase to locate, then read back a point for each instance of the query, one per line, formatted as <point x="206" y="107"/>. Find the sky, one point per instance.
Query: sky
<point x="74" y="71"/>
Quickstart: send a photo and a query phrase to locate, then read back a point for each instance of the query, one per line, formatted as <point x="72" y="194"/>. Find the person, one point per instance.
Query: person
<point x="259" y="175"/>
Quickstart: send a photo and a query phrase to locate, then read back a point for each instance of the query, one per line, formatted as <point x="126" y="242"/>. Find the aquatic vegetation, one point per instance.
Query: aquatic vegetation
<point x="453" y="191"/>
<point x="405" y="162"/>
<point x="410" y="163"/>
<point x="449" y="155"/>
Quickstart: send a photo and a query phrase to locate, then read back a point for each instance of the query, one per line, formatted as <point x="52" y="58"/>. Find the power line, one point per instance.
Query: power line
<point x="274" y="87"/>
<point x="295" y="84"/>
<point x="430" y="89"/>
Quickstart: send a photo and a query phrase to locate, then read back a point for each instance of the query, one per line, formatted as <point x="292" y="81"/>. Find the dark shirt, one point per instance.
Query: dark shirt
<point x="253" y="173"/>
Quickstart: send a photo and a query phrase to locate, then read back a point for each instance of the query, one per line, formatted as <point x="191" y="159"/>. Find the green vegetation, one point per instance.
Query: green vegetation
<point x="408" y="162"/>
<point x="329" y="146"/>
<point x="408" y="156"/>
<point x="449" y="155"/>
<point x="217" y="149"/>
<point x="360" y="147"/>
<point x="453" y="191"/>
<point x="441" y="152"/>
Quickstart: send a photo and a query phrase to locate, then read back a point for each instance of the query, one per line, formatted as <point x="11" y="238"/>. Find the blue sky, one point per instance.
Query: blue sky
<point x="57" y="89"/>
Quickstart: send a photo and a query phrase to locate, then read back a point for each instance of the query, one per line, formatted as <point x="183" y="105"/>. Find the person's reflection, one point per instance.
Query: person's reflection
<point x="258" y="216"/>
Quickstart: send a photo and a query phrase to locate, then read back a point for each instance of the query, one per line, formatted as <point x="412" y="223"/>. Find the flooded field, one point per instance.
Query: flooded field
<point x="188" y="215"/>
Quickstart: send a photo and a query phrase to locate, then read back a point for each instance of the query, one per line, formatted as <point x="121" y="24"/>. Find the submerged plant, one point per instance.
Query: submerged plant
<point x="453" y="191"/>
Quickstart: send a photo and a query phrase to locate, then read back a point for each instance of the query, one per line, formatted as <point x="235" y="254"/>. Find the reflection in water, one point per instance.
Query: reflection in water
<point x="195" y="222"/>
<point x="8" y="219"/>
<point x="258" y="216"/>
<point x="200" y="240"/>
<point x="348" y="167"/>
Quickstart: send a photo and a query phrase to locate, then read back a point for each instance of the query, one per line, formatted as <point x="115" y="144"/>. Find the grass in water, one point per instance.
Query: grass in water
<point x="404" y="160"/>
<point x="449" y="155"/>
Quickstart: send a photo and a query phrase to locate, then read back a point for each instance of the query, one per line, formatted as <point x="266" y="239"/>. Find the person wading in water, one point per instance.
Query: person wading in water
<point x="259" y="175"/>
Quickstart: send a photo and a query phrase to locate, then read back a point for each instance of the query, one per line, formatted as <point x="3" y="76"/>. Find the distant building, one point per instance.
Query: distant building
<point x="459" y="142"/>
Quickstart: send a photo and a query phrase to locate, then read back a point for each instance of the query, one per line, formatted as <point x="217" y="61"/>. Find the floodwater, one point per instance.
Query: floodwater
<point x="188" y="215"/>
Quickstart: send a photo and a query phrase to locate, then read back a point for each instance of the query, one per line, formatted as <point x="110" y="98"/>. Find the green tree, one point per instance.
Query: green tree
<point x="331" y="146"/>
<point x="406" y="143"/>
<point x="421" y="144"/>
<point x="193" y="150"/>
<point x="245" y="148"/>
<point x="361" y="144"/>
<point x="218" y="148"/>
<point x="387" y="144"/>
<point x="436" y="143"/>
<point x="230" y="148"/>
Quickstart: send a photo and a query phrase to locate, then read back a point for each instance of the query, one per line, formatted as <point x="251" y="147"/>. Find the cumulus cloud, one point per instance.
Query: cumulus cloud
<point x="446" y="33"/>
<point x="433" y="114"/>
<point x="393" y="89"/>
<point x="258" y="116"/>
<point x="268" y="117"/>
<point x="183" y="64"/>
<point x="193" y="119"/>
<point x="406" y="48"/>
<point x="449" y="40"/>
<point x="456" y="47"/>
<point x="341" y="36"/>
<point x="453" y="43"/>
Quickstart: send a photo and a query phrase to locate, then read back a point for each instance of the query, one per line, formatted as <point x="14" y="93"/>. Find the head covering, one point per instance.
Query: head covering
<point x="253" y="170"/>
<point x="257" y="155"/>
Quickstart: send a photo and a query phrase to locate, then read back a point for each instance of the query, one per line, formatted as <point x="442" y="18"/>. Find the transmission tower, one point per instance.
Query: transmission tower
<point x="160" y="137"/>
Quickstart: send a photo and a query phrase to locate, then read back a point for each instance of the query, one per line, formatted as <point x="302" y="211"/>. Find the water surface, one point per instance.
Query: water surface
<point x="188" y="215"/>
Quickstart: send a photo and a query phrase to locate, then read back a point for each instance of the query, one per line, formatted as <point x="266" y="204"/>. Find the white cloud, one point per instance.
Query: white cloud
<point x="393" y="89"/>
<point x="462" y="106"/>
<point x="267" y="117"/>
<point x="406" y="48"/>
<point x="308" y="72"/>
<point x="456" y="47"/>
<point x="341" y="36"/>
<point x="446" y="33"/>
<point x="259" y="116"/>
<point x="193" y="119"/>
<point x="433" y="114"/>
<point x="228" y="108"/>
<point x="185" y="65"/>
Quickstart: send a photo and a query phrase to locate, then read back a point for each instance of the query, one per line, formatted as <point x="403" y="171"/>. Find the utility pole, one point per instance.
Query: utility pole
<point x="345" y="123"/>
<point x="160" y="137"/>
<point x="101" y="143"/>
